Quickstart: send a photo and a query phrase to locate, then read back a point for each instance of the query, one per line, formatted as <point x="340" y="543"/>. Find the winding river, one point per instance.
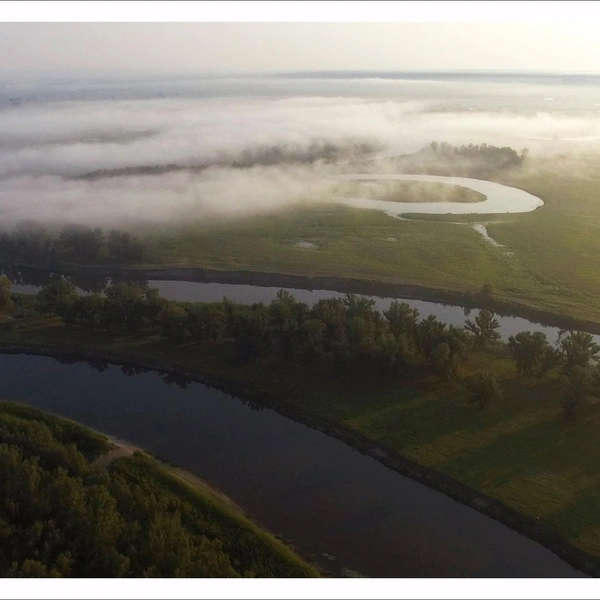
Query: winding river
<point x="345" y="508"/>
<point x="499" y="198"/>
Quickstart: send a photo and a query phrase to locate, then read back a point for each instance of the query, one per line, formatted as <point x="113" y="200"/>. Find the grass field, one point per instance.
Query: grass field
<point x="521" y="450"/>
<point x="555" y="250"/>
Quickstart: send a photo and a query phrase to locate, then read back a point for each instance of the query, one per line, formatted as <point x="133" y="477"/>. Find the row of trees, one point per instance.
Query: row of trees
<point x="347" y="333"/>
<point x="574" y="351"/>
<point x="34" y="243"/>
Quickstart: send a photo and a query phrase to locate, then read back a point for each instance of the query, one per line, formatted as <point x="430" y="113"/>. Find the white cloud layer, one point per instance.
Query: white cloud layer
<point x="44" y="145"/>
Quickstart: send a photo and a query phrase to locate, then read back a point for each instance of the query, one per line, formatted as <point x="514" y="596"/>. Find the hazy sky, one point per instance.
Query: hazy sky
<point x="214" y="47"/>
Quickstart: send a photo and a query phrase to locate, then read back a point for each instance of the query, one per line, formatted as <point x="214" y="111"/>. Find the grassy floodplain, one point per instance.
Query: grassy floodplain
<point x="554" y="263"/>
<point x="520" y="450"/>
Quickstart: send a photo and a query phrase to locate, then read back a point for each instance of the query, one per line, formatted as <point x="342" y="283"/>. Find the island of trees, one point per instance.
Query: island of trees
<point x="473" y="160"/>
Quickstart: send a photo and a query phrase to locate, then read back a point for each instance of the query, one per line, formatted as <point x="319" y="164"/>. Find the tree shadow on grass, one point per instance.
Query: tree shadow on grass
<point x="548" y="453"/>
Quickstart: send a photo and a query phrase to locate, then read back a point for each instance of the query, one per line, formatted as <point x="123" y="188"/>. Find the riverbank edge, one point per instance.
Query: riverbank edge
<point x="523" y="524"/>
<point x="208" y="491"/>
<point x="211" y="491"/>
<point x="465" y="299"/>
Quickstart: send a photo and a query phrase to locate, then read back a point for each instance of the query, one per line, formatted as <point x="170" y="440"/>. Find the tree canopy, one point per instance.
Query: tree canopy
<point x="67" y="510"/>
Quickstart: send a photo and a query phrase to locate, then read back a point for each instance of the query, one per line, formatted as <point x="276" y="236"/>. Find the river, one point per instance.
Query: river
<point x="300" y="483"/>
<point x="499" y="198"/>
<point x="31" y="281"/>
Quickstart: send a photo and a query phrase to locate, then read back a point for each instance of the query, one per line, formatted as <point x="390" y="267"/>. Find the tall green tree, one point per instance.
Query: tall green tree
<point x="444" y="363"/>
<point x="6" y="302"/>
<point x="576" y="389"/>
<point x="482" y="388"/>
<point x="81" y="243"/>
<point x="484" y="328"/>
<point x="401" y="318"/>
<point x="532" y="353"/>
<point x="56" y="297"/>
<point x="578" y="349"/>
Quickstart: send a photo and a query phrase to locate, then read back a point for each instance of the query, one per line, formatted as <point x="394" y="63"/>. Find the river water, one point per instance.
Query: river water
<point x="499" y="198"/>
<point x="300" y="483"/>
<point x="192" y="291"/>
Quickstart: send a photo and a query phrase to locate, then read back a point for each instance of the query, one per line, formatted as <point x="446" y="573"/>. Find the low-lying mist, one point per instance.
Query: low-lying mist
<point x="166" y="160"/>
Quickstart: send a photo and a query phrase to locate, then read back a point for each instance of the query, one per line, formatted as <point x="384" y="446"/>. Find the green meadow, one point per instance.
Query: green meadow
<point x="550" y="260"/>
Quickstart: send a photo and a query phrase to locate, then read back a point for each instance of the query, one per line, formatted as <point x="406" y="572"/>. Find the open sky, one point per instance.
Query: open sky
<point x="516" y="35"/>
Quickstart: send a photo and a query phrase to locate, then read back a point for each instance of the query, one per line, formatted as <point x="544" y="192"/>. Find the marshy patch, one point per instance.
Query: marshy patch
<point x="306" y="244"/>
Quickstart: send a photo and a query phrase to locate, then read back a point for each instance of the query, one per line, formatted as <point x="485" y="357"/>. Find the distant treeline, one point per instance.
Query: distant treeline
<point x="472" y="160"/>
<point x="68" y="510"/>
<point x="484" y="153"/>
<point x="138" y="170"/>
<point x="266" y="155"/>
<point x="33" y="243"/>
<point x="348" y="334"/>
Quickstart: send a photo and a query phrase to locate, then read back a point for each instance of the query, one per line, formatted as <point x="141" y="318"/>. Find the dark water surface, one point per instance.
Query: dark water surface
<point x="300" y="483"/>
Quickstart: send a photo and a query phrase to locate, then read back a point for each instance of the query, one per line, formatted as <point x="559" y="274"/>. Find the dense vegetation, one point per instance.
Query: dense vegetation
<point x="348" y="334"/>
<point x="473" y="160"/>
<point x="68" y="510"/>
<point x="33" y="243"/>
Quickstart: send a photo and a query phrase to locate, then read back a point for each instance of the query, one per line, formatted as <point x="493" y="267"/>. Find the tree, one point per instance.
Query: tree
<point x="444" y="363"/>
<point x="484" y="327"/>
<point x="89" y="309"/>
<point x="172" y="321"/>
<point x="31" y="242"/>
<point x="392" y="352"/>
<point x="129" y="306"/>
<point x="578" y="349"/>
<point x="124" y="247"/>
<point x="285" y="315"/>
<point x="250" y="331"/>
<point x="6" y="302"/>
<point x="401" y="318"/>
<point x="482" y="388"/>
<point x="312" y="333"/>
<point x="56" y="297"/>
<point x="359" y="306"/>
<point x="206" y="321"/>
<point x="332" y="312"/>
<point x="81" y="243"/>
<point x="487" y="291"/>
<point x="429" y="333"/>
<point x="532" y="353"/>
<point x="550" y="360"/>
<point x="575" y="390"/>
